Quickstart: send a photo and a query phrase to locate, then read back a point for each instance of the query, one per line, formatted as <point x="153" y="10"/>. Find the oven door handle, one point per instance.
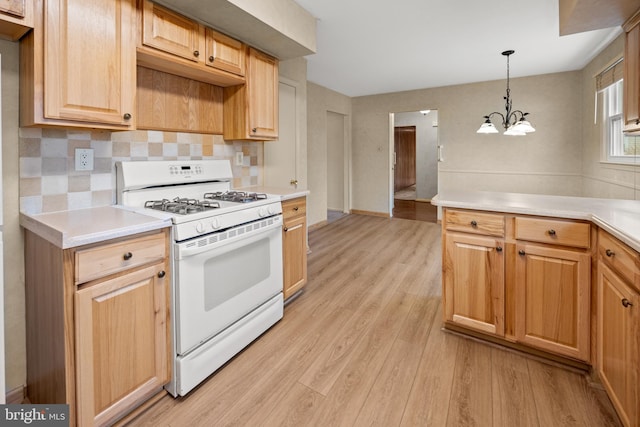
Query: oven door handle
<point x="183" y="251"/>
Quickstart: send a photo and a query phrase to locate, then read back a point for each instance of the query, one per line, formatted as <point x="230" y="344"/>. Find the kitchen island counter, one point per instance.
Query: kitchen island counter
<point x="68" y="229"/>
<point x="621" y="218"/>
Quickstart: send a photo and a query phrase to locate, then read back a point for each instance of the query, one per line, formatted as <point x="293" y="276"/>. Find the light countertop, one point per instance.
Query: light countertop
<point x="621" y="218"/>
<point x="284" y="193"/>
<point x="68" y="229"/>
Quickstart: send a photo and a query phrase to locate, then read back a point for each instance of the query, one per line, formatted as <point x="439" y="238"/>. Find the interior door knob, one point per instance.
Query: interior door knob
<point x="293" y="182"/>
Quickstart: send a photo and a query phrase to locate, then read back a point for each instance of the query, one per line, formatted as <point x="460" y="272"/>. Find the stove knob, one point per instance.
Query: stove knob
<point x="200" y="227"/>
<point x="215" y="224"/>
<point x="270" y="210"/>
<point x="261" y="212"/>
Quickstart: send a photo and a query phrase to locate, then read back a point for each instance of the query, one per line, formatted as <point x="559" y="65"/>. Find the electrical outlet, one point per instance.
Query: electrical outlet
<point x="239" y="158"/>
<point x="84" y="159"/>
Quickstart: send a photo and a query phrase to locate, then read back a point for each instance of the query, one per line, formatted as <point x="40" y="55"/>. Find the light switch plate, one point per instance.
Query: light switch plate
<point x="84" y="159"/>
<point x="239" y="158"/>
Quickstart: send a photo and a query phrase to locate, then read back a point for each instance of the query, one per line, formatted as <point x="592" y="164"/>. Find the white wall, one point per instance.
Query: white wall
<point x="426" y="150"/>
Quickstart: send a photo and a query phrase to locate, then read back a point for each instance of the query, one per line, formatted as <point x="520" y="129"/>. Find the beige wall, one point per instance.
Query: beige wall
<point x="603" y="179"/>
<point x="320" y="101"/>
<point x="547" y="161"/>
<point x="14" y="314"/>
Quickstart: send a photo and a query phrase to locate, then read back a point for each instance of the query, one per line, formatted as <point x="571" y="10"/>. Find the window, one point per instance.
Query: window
<point x="617" y="147"/>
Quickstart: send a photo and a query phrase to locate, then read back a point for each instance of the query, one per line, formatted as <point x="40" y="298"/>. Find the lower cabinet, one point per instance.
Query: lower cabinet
<point x="474" y="282"/>
<point x="98" y="322"/>
<point x="523" y="279"/>
<point x="294" y="245"/>
<point x="618" y="321"/>
<point x="552" y="309"/>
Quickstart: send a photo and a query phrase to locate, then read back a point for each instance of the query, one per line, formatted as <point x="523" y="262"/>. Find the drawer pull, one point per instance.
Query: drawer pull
<point x="161" y="274"/>
<point x="474" y="223"/>
<point x="552" y="232"/>
<point x="127" y="256"/>
<point x="296" y="209"/>
<point x="609" y="253"/>
<point x="499" y="249"/>
<point x="626" y="303"/>
<point x="521" y="252"/>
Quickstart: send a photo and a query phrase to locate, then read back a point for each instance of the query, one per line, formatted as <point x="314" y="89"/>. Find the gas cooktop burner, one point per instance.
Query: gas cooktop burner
<point x="235" y="196"/>
<point x="182" y="206"/>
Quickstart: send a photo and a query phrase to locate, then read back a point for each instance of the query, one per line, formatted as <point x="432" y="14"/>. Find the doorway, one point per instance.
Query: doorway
<point x="415" y="157"/>
<point x="336" y="169"/>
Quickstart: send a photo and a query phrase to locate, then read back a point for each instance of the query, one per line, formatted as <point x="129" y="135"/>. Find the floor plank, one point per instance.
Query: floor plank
<point x="363" y="344"/>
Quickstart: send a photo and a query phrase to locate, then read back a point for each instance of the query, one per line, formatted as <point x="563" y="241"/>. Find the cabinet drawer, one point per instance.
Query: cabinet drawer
<point x="552" y="231"/>
<point x="294" y="208"/>
<point x="101" y="261"/>
<point x="619" y="257"/>
<point x="475" y="222"/>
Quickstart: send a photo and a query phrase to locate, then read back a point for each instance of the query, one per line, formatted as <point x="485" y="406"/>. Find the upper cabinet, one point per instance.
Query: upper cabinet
<point x="251" y="110"/>
<point x="175" y="44"/>
<point x="632" y="74"/>
<point x="78" y="65"/>
<point x="16" y="18"/>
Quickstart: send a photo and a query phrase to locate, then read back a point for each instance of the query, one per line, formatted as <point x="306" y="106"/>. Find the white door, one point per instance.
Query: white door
<point x="2" y="386"/>
<point x="280" y="156"/>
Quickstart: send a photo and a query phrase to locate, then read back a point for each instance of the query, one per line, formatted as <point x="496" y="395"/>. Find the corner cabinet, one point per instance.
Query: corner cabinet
<point x="524" y="280"/>
<point x="618" y="320"/>
<point x="98" y="317"/>
<point x="632" y="74"/>
<point x="294" y="245"/>
<point x="251" y="110"/>
<point x="78" y="65"/>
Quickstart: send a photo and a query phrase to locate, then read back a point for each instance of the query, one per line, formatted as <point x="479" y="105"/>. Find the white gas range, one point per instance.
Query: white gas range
<point x="226" y="259"/>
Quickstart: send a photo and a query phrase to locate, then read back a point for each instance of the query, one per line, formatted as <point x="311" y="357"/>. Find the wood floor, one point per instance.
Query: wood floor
<point x="411" y="209"/>
<point x="363" y="345"/>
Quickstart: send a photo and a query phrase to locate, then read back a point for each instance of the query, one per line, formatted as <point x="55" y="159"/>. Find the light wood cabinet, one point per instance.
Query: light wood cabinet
<point x="175" y="44"/>
<point x="294" y="245"/>
<point x="16" y="18"/>
<point x="473" y="273"/>
<point x="98" y="322"/>
<point x="618" y="321"/>
<point x="523" y="279"/>
<point x="632" y="74"/>
<point x="552" y="310"/>
<point x="78" y="65"/>
<point x="251" y="110"/>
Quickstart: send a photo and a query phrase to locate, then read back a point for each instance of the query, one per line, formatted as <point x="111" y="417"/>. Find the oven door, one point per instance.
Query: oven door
<point x="221" y="277"/>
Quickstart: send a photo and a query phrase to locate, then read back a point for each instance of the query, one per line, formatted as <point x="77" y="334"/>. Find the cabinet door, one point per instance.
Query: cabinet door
<point x="170" y="32"/>
<point x="632" y="79"/>
<point x="89" y="61"/>
<point x="474" y="282"/>
<point x="294" y="238"/>
<point x="122" y="350"/>
<point x="224" y="53"/>
<point x="617" y="342"/>
<point x="552" y="300"/>
<point x="262" y="94"/>
<point x="13" y="7"/>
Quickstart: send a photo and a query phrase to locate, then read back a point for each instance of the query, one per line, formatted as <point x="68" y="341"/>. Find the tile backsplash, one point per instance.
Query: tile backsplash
<point x="49" y="181"/>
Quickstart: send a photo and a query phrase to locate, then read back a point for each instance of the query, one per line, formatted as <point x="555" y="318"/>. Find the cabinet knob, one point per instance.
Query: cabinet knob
<point x="296" y="209"/>
<point x="499" y="249"/>
<point x="552" y="232"/>
<point x="161" y="274"/>
<point x="127" y="256"/>
<point x="474" y="223"/>
<point x="127" y="116"/>
<point x="626" y="303"/>
<point x="609" y="253"/>
<point x="286" y="229"/>
<point x="196" y="53"/>
<point x="521" y="252"/>
<point x="211" y="58"/>
<point x="254" y="130"/>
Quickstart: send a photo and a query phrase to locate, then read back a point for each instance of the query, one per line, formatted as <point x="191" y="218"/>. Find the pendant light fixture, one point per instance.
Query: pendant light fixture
<point x="514" y="122"/>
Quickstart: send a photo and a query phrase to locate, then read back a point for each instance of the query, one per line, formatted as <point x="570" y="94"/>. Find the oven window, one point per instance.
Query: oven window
<point x="232" y="273"/>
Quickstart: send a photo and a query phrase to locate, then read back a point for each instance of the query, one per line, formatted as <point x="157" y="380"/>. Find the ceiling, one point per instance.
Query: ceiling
<point x="367" y="47"/>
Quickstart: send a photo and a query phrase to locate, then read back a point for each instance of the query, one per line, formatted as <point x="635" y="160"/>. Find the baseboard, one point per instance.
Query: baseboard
<point x="370" y="213"/>
<point x="16" y="396"/>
